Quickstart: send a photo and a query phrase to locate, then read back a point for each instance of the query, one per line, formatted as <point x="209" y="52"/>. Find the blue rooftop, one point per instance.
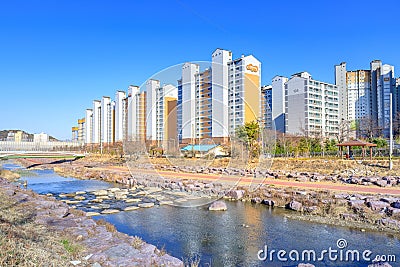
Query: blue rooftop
<point x="200" y="148"/>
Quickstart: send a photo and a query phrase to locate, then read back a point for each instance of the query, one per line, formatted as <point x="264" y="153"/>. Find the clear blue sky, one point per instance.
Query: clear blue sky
<point x="57" y="56"/>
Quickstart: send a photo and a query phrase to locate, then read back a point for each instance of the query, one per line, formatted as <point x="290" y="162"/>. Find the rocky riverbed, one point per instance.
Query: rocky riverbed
<point x="102" y="244"/>
<point x="365" y="211"/>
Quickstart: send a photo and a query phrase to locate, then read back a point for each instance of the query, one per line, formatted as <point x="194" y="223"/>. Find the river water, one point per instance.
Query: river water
<point x="233" y="237"/>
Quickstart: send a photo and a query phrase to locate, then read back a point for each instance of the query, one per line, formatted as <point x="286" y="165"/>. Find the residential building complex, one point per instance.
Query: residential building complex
<point x="364" y="97"/>
<point x="210" y="103"/>
<point x="312" y="107"/>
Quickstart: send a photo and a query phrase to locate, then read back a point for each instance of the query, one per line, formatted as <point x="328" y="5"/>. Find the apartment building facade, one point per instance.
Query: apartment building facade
<point x="311" y="107"/>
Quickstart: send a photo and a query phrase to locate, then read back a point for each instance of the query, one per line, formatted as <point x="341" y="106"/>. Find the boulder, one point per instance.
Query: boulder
<point x="396" y="204"/>
<point x="392" y="211"/>
<point x="377" y="205"/>
<point x="218" y="206"/>
<point x="294" y="205"/>
<point x="268" y="202"/>
<point x="236" y="194"/>
<point x="358" y="203"/>
<point x="256" y="200"/>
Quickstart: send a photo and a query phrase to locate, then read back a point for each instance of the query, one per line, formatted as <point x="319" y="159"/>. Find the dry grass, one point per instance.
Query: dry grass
<point x="110" y="227"/>
<point x="25" y="243"/>
<point x="137" y="242"/>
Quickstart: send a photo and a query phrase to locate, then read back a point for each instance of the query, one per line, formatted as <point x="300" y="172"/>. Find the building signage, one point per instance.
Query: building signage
<point x="252" y="68"/>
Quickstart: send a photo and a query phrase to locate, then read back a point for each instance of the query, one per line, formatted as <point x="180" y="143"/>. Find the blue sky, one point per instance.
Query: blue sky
<point x="57" y="56"/>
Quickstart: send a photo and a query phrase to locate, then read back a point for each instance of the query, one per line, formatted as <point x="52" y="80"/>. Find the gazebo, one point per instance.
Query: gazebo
<point x="359" y="143"/>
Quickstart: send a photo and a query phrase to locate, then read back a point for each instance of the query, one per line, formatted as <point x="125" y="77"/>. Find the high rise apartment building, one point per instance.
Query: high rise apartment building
<point x="186" y="105"/>
<point x="136" y="113"/>
<point x="96" y="122"/>
<point x="165" y="110"/>
<point x="266" y="107"/>
<point x="312" y="107"/>
<point x="364" y="96"/>
<point x="278" y="104"/>
<point x="207" y="104"/>
<point x="89" y="126"/>
<point x="107" y="120"/>
<point x="244" y="92"/>
<point x="120" y="115"/>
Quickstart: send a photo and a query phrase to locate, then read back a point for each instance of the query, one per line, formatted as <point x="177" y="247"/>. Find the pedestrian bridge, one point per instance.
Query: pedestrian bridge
<point x="4" y="155"/>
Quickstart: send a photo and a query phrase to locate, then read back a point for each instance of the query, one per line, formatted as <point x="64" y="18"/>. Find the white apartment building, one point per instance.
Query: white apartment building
<point x="244" y="93"/>
<point x="133" y="112"/>
<point x="312" y="107"/>
<point x="278" y="103"/>
<point x="340" y="81"/>
<point x="204" y="120"/>
<point x="88" y="126"/>
<point x="358" y="84"/>
<point x="120" y="116"/>
<point x="96" y="128"/>
<point x="186" y="105"/>
<point x="107" y="129"/>
<point x="151" y="103"/>
<point x="219" y="84"/>
<point x="165" y="93"/>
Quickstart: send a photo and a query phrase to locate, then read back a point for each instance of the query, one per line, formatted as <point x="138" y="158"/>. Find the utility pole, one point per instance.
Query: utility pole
<point x="391" y="133"/>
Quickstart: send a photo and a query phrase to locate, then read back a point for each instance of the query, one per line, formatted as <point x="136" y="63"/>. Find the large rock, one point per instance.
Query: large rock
<point x="294" y="205"/>
<point x="377" y="205"/>
<point x="218" y="206"/>
<point x="236" y="194"/>
<point x="357" y="203"/>
<point x="396" y="204"/>
<point x="268" y="202"/>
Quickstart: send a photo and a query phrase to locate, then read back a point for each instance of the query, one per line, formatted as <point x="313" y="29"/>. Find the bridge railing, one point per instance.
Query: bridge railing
<point x="40" y="146"/>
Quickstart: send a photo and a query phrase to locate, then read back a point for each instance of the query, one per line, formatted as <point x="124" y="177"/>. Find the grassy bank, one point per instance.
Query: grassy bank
<point x="25" y="243"/>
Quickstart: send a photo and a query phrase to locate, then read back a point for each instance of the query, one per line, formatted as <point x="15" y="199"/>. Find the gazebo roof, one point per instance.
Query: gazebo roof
<point x="356" y="143"/>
